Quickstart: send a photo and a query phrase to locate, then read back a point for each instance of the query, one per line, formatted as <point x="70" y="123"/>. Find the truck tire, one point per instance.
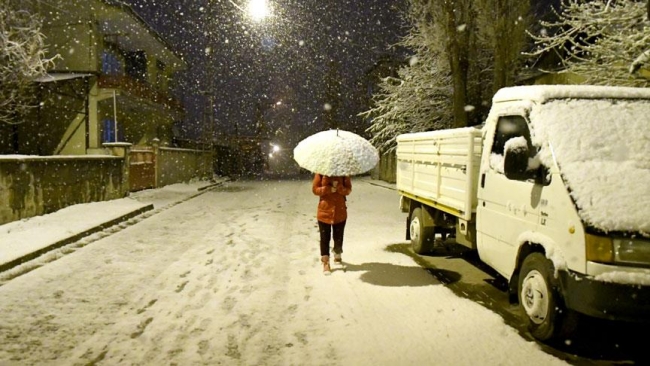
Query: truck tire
<point x="540" y="298"/>
<point x="422" y="238"/>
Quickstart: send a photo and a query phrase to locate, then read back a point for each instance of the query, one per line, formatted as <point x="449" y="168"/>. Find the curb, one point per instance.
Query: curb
<point x="74" y="238"/>
<point x="383" y="185"/>
<point x="216" y="184"/>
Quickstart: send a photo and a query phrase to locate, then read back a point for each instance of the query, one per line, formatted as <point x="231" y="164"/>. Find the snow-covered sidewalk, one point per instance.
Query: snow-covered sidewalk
<point x="26" y="239"/>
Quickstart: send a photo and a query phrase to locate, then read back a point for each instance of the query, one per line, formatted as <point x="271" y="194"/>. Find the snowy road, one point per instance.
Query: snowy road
<point x="232" y="277"/>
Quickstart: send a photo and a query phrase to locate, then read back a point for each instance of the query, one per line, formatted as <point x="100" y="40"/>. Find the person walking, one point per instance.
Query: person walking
<point x="331" y="215"/>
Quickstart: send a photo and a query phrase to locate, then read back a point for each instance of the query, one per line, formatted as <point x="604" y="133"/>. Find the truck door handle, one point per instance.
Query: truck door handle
<point x="483" y="180"/>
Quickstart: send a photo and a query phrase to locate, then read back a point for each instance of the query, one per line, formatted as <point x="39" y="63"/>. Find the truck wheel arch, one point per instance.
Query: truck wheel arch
<point x="560" y="322"/>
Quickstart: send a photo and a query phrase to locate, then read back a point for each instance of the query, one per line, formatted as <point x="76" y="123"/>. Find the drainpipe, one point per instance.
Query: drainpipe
<point x="115" y="113"/>
<point x="87" y="123"/>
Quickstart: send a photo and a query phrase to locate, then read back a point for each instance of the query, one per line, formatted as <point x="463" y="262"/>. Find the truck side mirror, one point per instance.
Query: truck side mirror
<point x="515" y="162"/>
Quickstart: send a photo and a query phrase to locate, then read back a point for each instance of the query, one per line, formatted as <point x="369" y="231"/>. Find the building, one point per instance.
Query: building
<point x="103" y="125"/>
<point x="111" y="82"/>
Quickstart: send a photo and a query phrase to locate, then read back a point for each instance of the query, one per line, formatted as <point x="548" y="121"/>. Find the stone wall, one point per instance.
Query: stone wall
<point x="38" y="185"/>
<point x="175" y="165"/>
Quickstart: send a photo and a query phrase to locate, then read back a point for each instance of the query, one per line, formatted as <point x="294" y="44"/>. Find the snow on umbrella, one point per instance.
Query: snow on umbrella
<point x="336" y="153"/>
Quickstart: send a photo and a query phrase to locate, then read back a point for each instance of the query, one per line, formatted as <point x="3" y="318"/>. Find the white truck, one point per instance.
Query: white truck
<point x="553" y="192"/>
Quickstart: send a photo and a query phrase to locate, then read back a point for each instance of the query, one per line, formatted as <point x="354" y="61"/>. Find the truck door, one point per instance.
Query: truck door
<point x="506" y="207"/>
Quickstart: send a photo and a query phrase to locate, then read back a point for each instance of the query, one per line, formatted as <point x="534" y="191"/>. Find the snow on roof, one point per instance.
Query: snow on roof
<point x="60" y="76"/>
<point x="542" y="93"/>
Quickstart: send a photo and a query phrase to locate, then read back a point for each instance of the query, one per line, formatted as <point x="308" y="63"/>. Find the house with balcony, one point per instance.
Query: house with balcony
<point x="105" y="114"/>
<point x="111" y="82"/>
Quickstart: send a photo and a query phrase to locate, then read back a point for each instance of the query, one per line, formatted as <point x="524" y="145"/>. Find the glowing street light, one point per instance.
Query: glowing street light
<point x="258" y="9"/>
<point x="255" y="9"/>
<point x="274" y="149"/>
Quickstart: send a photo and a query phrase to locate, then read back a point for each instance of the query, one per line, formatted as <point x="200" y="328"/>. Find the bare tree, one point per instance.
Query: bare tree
<point x="603" y="41"/>
<point x="22" y="59"/>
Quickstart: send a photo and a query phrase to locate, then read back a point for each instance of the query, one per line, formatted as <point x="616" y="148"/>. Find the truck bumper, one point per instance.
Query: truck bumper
<point x="605" y="300"/>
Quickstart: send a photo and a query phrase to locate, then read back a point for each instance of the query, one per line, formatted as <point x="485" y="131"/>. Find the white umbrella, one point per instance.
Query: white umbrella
<point x="336" y="153"/>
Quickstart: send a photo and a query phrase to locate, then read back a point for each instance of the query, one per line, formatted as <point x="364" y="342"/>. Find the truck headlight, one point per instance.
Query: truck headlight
<point x="617" y="250"/>
<point x="632" y="251"/>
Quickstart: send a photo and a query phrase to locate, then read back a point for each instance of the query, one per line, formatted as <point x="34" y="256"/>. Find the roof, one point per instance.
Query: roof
<point x="115" y="20"/>
<point x="47" y="78"/>
<point x="542" y="93"/>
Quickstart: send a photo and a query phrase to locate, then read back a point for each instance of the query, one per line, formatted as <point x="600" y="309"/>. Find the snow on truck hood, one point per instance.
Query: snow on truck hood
<point x="602" y="147"/>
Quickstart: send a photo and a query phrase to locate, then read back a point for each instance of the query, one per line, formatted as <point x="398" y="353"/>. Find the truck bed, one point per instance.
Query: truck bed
<point x="441" y="169"/>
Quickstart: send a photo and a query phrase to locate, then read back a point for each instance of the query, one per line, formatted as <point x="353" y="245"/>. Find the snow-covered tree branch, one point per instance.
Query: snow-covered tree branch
<point x="22" y="59"/>
<point x="460" y="53"/>
<point x="419" y="98"/>
<point x="641" y="60"/>
<point x="603" y="41"/>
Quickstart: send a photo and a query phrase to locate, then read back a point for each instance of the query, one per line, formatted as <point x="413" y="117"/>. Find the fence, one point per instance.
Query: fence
<point x="155" y="167"/>
<point x="38" y="185"/>
<point x="174" y="165"/>
<point x="386" y="169"/>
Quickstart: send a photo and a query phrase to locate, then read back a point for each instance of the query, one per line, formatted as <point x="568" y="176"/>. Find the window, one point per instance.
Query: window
<point x="136" y="65"/>
<point x="507" y="128"/>
<point x="111" y="64"/>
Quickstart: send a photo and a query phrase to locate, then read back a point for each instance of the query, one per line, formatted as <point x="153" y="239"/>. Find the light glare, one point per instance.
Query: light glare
<point x="258" y="9"/>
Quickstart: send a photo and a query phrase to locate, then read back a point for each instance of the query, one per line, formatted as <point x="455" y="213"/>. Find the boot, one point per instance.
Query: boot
<point x="326" y="265"/>
<point x="338" y="259"/>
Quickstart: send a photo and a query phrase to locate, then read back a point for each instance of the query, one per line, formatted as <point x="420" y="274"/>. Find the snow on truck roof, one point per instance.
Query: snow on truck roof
<point x="542" y="93"/>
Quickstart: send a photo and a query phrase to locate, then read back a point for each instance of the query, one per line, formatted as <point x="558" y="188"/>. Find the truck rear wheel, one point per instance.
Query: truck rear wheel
<point x="422" y="238"/>
<point x="540" y="298"/>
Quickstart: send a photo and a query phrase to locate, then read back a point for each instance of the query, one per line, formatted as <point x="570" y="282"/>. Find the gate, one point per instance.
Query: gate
<point x="142" y="168"/>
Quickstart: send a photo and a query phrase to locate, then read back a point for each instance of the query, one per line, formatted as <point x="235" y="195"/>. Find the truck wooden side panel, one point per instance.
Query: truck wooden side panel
<point x="441" y="169"/>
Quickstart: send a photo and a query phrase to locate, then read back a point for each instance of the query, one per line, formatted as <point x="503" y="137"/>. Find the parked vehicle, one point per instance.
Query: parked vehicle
<point x="552" y="191"/>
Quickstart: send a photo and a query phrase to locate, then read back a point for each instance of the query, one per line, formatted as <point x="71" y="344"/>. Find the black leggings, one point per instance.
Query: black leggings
<point x="325" y="235"/>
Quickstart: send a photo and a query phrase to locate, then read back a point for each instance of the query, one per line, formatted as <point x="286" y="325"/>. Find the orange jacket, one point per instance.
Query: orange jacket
<point x="331" y="207"/>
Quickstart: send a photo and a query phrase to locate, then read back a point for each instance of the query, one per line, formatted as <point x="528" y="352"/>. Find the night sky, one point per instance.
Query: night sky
<point x="286" y="58"/>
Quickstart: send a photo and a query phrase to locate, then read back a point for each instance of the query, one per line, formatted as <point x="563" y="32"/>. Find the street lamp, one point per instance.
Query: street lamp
<point x="258" y="10"/>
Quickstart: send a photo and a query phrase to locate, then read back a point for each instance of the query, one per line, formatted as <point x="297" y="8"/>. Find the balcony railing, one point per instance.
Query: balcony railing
<point x="139" y="89"/>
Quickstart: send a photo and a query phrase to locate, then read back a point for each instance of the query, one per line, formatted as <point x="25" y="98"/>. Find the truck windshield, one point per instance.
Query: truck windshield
<point x="602" y="147"/>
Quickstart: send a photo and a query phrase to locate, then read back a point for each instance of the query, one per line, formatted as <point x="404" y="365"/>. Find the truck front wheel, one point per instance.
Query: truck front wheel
<point x="540" y="298"/>
<point x="422" y="237"/>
